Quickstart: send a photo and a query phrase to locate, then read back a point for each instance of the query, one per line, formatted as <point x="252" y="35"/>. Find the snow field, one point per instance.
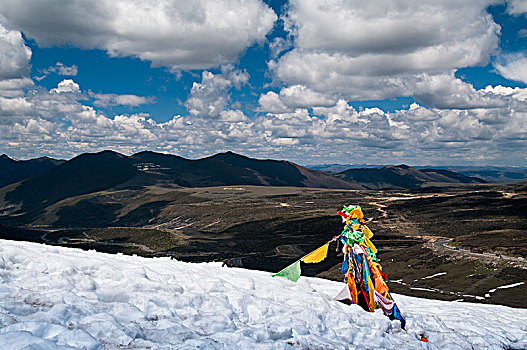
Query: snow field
<point x="62" y="298"/>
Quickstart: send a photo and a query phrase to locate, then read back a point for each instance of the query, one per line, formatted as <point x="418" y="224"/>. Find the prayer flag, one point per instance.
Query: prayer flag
<point x="317" y="255"/>
<point x="291" y="272"/>
<point x="344" y="294"/>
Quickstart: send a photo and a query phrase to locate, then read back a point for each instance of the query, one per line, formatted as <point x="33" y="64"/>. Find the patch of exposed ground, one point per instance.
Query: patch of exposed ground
<point x="426" y="272"/>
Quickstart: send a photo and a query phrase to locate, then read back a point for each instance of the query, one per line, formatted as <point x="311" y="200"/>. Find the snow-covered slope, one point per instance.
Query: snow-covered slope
<point x="54" y="297"/>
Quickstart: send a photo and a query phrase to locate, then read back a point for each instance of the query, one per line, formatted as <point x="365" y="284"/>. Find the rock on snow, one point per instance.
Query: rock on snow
<point x="62" y="298"/>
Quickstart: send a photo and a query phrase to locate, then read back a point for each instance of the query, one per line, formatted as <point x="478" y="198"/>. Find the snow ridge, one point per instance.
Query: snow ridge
<point x="62" y="298"/>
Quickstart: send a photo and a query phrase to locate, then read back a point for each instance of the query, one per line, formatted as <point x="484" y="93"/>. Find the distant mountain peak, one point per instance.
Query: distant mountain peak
<point x="105" y="153"/>
<point x="120" y="155"/>
<point x="18" y="170"/>
<point x="147" y="152"/>
<point x="229" y="154"/>
<point x="400" y="166"/>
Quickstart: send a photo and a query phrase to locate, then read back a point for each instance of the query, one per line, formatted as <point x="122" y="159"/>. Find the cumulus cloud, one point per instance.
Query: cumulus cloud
<point x="14" y="55"/>
<point x="292" y="97"/>
<point x="233" y="116"/>
<point x="513" y="67"/>
<point x="58" y="124"/>
<point x="446" y="91"/>
<point x="14" y="63"/>
<point x="106" y="100"/>
<point x="61" y="69"/>
<point x="15" y="59"/>
<point x="307" y="121"/>
<point x="14" y="87"/>
<point x="486" y="125"/>
<point x="278" y="46"/>
<point x="271" y="102"/>
<point x="178" y="34"/>
<point x="71" y="91"/>
<point x="208" y="98"/>
<point x="516" y="93"/>
<point x="66" y="86"/>
<point x="237" y="77"/>
<point x="353" y="50"/>
<point x="211" y="97"/>
<point x="442" y="91"/>
<point x="516" y="7"/>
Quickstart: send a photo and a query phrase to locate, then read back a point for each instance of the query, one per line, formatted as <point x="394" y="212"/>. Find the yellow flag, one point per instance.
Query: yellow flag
<point x="367" y="235"/>
<point x="367" y="232"/>
<point x="316" y="255"/>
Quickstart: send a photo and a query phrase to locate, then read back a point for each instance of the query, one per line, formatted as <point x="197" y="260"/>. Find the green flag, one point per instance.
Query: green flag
<point x="292" y="272"/>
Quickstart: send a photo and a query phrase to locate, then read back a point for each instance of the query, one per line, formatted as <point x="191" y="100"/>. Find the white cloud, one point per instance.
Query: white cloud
<point x="353" y="50"/>
<point x="489" y="124"/>
<point x="14" y="55"/>
<point x="517" y="7"/>
<point x="446" y="91"/>
<point x="15" y="59"/>
<point x="56" y="124"/>
<point x="279" y="45"/>
<point x="60" y="69"/>
<point x="516" y="93"/>
<point x="292" y="97"/>
<point x="342" y="112"/>
<point x="178" y="34"/>
<point x="237" y="77"/>
<point x="417" y="113"/>
<point x="299" y="96"/>
<point x="105" y="100"/>
<point x="14" y="87"/>
<point x="66" y="86"/>
<point x="208" y="98"/>
<point x="403" y="29"/>
<point x="233" y="116"/>
<point x="211" y="97"/>
<point x="513" y="67"/>
<point x="438" y="90"/>
<point x="14" y="107"/>
<point x="271" y="102"/>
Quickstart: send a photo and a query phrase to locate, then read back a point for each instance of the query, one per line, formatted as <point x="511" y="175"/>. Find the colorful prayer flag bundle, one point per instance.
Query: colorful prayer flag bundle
<point x="365" y="280"/>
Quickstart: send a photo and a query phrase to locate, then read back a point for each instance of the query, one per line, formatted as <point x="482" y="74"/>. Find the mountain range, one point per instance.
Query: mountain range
<point x="90" y="172"/>
<point x="17" y="170"/>
<point x="231" y="169"/>
<point x="487" y="173"/>
<point x="404" y="176"/>
<point x="491" y="173"/>
<point x="80" y="181"/>
<point x="89" y="183"/>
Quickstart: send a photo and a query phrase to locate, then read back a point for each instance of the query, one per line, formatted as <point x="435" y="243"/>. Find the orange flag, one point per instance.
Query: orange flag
<point x="352" y="287"/>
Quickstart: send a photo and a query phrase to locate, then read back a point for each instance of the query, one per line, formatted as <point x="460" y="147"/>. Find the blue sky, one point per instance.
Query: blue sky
<point x="378" y="82"/>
